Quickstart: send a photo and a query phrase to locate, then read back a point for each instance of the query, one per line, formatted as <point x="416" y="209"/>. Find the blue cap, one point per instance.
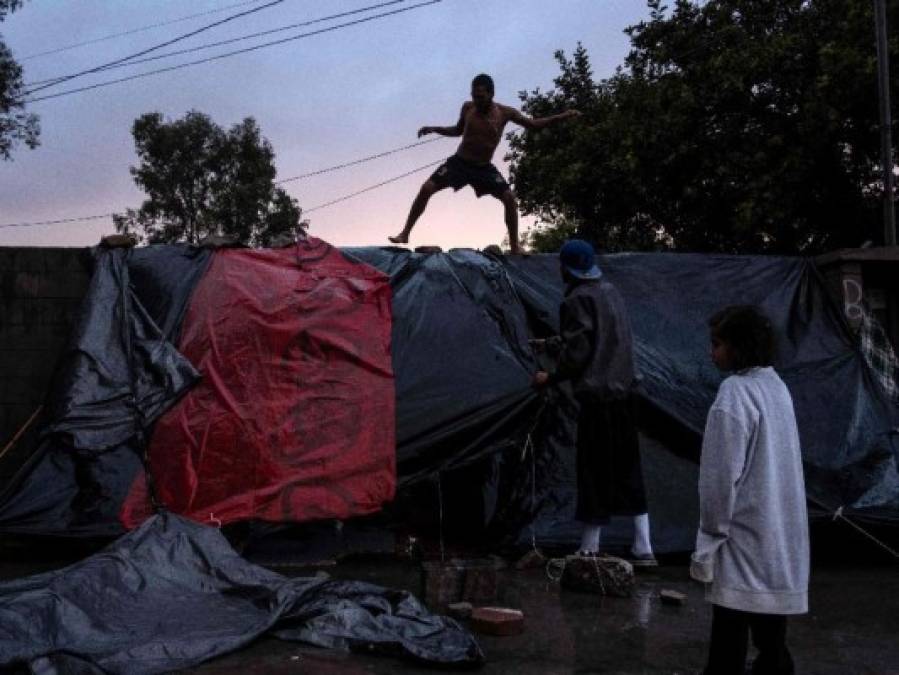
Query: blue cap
<point x="578" y="258"/>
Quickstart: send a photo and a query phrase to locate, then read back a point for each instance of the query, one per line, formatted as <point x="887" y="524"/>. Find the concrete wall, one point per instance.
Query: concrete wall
<point x="40" y="294"/>
<point x="866" y="278"/>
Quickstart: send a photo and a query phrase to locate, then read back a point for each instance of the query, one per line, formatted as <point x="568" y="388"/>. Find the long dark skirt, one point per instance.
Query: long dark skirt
<point x="609" y="474"/>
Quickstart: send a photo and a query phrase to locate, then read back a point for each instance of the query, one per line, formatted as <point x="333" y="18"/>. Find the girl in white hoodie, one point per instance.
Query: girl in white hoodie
<point x="752" y="548"/>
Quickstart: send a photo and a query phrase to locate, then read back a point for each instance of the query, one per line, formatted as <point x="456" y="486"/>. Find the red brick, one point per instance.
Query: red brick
<point x="497" y="621"/>
<point x="670" y="597"/>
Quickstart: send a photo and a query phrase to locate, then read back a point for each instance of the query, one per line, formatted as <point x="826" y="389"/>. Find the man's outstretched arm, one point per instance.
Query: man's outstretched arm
<point x="446" y="131"/>
<point x="541" y="122"/>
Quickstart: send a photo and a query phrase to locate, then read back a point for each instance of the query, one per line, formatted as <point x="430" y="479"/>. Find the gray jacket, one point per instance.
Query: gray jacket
<point x="752" y="548"/>
<point x="597" y="345"/>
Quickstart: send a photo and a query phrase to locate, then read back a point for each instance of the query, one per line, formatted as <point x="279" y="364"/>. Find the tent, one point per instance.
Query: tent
<point x="303" y="384"/>
<point x="307" y="383"/>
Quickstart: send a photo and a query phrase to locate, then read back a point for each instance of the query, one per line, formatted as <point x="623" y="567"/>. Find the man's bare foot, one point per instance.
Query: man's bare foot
<point x="401" y="238"/>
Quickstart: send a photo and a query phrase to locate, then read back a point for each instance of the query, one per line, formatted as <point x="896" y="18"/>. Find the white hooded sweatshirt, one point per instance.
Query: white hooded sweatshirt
<point x="752" y="547"/>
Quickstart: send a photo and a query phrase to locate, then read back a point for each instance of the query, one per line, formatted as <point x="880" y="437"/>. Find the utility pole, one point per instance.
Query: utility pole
<point x="886" y="122"/>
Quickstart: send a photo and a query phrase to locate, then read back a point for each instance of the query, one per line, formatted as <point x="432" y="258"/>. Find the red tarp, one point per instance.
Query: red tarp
<point x="294" y="418"/>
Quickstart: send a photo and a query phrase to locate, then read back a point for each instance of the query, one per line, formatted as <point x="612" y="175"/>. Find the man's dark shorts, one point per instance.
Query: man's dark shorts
<point x="457" y="173"/>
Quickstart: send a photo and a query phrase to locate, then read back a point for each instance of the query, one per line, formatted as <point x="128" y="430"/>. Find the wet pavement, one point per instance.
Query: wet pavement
<point x="853" y="628"/>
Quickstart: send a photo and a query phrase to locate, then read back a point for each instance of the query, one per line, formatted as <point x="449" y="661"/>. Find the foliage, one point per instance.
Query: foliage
<point x="16" y="126"/>
<point x="9" y="6"/>
<point x="201" y="180"/>
<point x="733" y="126"/>
<point x="549" y="238"/>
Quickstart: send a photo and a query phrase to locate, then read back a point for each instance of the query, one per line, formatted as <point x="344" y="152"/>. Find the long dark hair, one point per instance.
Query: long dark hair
<point x="748" y="334"/>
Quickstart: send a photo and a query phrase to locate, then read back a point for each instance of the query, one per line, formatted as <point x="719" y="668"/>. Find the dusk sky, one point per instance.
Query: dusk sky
<point x="323" y="100"/>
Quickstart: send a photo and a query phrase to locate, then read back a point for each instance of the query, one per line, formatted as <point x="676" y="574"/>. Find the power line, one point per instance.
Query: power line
<point x="279" y="182"/>
<point x="104" y="38"/>
<point x="305" y="211"/>
<point x="234" y="53"/>
<point x="372" y="187"/>
<point x="184" y="36"/>
<point x="361" y="160"/>
<point x="58" y="222"/>
<point x="190" y="50"/>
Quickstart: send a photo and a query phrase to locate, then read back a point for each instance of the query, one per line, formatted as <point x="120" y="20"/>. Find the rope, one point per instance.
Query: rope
<point x="410" y="547"/>
<point x="839" y="514"/>
<point x="22" y="430"/>
<point x="440" y="511"/>
<point x="602" y="586"/>
<point x="555" y="570"/>
<point x="533" y="491"/>
<point x="529" y="444"/>
<point x="551" y="567"/>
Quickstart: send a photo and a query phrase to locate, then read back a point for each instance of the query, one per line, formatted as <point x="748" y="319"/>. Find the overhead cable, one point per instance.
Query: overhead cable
<point x="373" y="187"/>
<point x="234" y="53"/>
<point x="65" y="78"/>
<point x="241" y="38"/>
<point x="361" y="160"/>
<point x="59" y="221"/>
<point x="141" y="29"/>
<point x="318" y="172"/>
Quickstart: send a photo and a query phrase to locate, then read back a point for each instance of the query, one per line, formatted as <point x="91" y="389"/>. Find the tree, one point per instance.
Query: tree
<point x="201" y="179"/>
<point x="549" y="238"/>
<point x="733" y="125"/>
<point x="16" y="126"/>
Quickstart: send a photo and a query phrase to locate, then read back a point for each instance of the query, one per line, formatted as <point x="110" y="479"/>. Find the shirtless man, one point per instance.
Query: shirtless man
<point x="480" y="125"/>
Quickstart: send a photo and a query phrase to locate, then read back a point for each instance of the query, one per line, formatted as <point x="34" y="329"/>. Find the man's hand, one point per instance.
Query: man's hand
<point x="542" y="122"/>
<point x="424" y="131"/>
<point x="541" y="379"/>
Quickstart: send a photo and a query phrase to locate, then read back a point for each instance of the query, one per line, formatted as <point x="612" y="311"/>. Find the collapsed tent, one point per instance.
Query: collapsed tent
<point x="329" y="380"/>
<point x="172" y="594"/>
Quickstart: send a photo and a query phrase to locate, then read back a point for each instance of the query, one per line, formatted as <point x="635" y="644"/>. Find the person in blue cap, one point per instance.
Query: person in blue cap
<point x="596" y="356"/>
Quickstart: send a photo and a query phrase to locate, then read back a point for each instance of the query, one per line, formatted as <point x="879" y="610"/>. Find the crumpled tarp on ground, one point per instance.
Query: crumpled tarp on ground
<point x="172" y="594"/>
